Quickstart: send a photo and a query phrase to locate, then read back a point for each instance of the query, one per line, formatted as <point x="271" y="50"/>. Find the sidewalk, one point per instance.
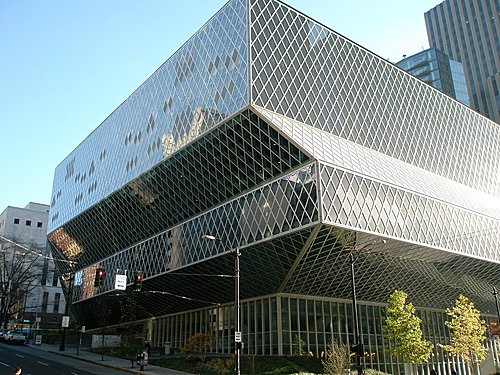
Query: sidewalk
<point x="123" y="365"/>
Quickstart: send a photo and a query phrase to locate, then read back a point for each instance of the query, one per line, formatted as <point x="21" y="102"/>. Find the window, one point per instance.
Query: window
<point x="28" y="223"/>
<point x="55" y="278"/>
<point x="45" y="301"/>
<point x="57" y="299"/>
<point x="16" y="221"/>
<point x="45" y="271"/>
<point x="39" y="224"/>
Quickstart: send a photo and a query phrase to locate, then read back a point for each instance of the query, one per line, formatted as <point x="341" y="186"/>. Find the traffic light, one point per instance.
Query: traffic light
<point x="99" y="277"/>
<point x="137" y="281"/>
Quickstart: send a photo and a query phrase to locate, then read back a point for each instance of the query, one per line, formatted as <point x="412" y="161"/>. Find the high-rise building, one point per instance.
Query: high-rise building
<point x="436" y="68"/>
<point x="28" y="273"/>
<point x="468" y="32"/>
<point x="295" y="147"/>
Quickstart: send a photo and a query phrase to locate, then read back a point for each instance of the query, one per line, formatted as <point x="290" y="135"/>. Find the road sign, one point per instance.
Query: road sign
<point x="237" y="336"/>
<point x="65" y="322"/>
<point x="121" y="282"/>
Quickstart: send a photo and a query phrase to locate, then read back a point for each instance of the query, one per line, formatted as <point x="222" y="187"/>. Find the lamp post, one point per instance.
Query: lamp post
<point x="495" y="293"/>
<point x="62" y="346"/>
<point x="358" y="348"/>
<point x="237" y="317"/>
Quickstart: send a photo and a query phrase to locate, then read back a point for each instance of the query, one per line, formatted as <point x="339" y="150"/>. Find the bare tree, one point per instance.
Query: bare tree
<point x="19" y="273"/>
<point x="337" y="359"/>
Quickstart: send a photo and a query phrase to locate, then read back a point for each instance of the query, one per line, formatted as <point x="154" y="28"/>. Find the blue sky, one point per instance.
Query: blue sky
<point x="66" y="65"/>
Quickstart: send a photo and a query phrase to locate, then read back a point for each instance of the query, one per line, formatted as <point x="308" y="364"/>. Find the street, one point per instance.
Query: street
<point x="34" y="361"/>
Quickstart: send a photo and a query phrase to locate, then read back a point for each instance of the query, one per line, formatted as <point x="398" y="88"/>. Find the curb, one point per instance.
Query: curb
<point x="100" y="363"/>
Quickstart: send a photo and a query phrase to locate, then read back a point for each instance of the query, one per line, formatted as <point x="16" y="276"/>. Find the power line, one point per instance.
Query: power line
<point x="33" y="252"/>
<point x="182" y="297"/>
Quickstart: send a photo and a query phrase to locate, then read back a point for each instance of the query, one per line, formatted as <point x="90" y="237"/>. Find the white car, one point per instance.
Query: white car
<point x="15" y="337"/>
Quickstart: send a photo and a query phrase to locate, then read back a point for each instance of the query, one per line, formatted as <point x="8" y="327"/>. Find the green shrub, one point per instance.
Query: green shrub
<point x="51" y="337"/>
<point x="217" y="366"/>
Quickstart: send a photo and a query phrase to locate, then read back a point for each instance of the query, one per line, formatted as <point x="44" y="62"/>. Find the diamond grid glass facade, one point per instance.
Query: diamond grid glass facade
<point x="205" y="81"/>
<point x="283" y="139"/>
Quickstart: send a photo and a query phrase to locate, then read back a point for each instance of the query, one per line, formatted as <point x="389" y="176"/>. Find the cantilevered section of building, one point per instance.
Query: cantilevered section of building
<point x="290" y="142"/>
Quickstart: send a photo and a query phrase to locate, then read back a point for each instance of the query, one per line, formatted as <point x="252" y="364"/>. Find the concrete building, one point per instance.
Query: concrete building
<point x="23" y="240"/>
<point x="296" y="147"/>
<point x="436" y="68"/>
<point x="468" y="32"/>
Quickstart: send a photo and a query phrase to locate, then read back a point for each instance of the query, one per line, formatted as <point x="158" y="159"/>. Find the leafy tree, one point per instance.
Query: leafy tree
<point x="199" y="343"/>
<point x="337" y="358"/>
<point x="298" y="345"/>
<point x="467" y="331"/>
<point x="403" y="329"/>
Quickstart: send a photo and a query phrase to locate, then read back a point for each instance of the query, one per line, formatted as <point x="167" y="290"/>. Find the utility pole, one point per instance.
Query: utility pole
<point x="495" y="293"/>
<point x="237" y="310"/>
<point x="237" y="334"/>
<point x="358" y="349"/>
<point x="62" y="346"/>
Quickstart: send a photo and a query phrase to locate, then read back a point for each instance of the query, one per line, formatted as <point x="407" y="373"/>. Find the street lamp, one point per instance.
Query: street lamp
<point x="237" y="318"/>
<point x="358" y="348"/>
<point x="71" y="276"/>
<point x="495" y="293"/>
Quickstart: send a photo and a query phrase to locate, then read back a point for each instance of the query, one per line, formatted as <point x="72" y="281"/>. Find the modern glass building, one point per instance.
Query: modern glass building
<point x="296" y="146"/>
<point x="435" y="67"/>
<point x="469" y="32"/>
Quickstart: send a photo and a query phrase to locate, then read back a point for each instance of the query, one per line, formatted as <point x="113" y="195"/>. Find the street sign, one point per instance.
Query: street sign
<point x="121" y="282"/>
<point x="65" y="322"/>
<point x="237" y="336"/>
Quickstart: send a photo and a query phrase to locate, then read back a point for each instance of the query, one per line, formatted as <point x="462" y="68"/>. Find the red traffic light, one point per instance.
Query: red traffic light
<point x="137" y="281"/>
<point x="99" y="277"/>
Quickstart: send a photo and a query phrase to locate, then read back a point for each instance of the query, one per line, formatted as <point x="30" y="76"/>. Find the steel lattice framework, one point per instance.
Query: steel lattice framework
<point x="291" y="142"/>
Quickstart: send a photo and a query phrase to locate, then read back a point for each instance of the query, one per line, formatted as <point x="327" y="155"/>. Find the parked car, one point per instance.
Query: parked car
<point x="3" y="332"/>
<point x="15" y="337"/>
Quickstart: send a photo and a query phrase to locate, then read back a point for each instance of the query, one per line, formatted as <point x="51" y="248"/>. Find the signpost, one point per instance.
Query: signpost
<point x="65" y="321"/>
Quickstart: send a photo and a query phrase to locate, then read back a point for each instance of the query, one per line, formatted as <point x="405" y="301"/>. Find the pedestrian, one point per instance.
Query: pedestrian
<point x="147" y="347"/>
<point x="17" y="371"/>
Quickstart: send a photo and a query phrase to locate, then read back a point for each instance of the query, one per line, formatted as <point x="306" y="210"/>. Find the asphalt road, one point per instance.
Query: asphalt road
<point x="36" y="362"/>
